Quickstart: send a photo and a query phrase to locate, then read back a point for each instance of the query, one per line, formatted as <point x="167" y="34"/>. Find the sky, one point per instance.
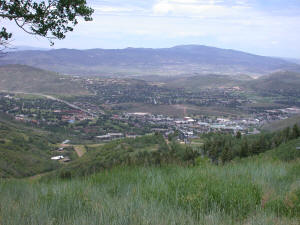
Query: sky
<point x="264" y="27"/>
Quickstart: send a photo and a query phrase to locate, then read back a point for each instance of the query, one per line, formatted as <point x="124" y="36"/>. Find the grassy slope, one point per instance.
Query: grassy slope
<point x="179" y="110"/>
<point x="287" y="81"/>
<point x="146" y="150"/>
<point x="281" y="81"/>
<point x="260" y="190"/>
<point x="29" y="79"/>
<point x="197" y="83"/>
<point x="23" y="151"/>
<point x="279" y="125"/>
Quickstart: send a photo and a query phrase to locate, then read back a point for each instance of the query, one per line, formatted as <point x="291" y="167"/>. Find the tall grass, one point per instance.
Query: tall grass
<point x="252" y="191"/>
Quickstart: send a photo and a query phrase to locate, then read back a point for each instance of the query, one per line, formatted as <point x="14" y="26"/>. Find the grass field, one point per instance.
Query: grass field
<point x="261" y="190"/>
<point x="180" y="110"/>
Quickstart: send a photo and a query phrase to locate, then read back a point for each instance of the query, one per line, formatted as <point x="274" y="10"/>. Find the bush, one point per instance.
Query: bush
<point x="65" y="175"/>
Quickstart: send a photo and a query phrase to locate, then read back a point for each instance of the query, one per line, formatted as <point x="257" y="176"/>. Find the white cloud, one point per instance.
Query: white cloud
<point x="114" y="9"/>
<point x="199" y="8"/>
<point x="233" y="24"/>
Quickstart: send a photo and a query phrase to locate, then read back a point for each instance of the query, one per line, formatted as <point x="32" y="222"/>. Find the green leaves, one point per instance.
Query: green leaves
<point x="51" y="18"/>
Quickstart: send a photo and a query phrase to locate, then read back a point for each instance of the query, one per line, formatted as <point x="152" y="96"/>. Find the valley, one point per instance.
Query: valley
<point x="190" y="144"/>
<point x="162" y="112"/>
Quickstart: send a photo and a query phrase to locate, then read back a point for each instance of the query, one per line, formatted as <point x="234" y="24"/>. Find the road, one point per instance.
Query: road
<point x="69" y="104"/>
<point x="59" y="100"/>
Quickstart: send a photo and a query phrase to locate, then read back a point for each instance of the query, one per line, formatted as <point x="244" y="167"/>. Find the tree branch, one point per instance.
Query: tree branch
<point x="8" y="16"/>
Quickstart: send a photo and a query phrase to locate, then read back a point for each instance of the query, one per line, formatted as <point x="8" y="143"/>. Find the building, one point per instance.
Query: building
<point x="110" y="136"/>
<point x="66" y="142"/>
<point x="57" y="157"/>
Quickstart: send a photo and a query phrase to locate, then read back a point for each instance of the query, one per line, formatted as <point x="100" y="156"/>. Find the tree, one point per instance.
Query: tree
<point x="51" y="19"/>
<point x="295" y="132"/>
<point x="238" y="135"/>
<point x="244" y="149"/>
<point x="286" y="134"/>
<point x="226" y="155"/>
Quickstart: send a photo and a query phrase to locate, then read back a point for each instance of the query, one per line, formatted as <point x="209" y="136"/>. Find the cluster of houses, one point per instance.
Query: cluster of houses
<point x="61" y="149"/>
<point x="73" y="115"/>
<point x="25" y="118"/>
<point x="190" y="127"/>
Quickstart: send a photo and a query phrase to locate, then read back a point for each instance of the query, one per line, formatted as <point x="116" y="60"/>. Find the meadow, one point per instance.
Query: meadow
<point x="263" y="189"/>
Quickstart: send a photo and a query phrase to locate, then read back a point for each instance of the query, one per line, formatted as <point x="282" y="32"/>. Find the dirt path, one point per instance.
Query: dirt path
<point x="37" y="176"/>
<point x="80" y="150"/>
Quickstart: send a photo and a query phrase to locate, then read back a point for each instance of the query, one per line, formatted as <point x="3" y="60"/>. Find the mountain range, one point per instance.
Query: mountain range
<point x="178" y="60"/>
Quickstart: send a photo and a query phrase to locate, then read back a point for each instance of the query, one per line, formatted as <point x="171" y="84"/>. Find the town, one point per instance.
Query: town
<point x="87" y="121"/>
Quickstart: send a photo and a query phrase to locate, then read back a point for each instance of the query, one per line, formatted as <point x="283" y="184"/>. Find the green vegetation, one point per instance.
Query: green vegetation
<point x="258" y="190"/>
<point x="281" y="82"/>
<point x="281" y="124"/>
<point x="35" y="14"/>
<point x="197" y="83"/>
<point x="148" y="180"/>
<point x="21" y="78"/>
<point x="147" y="150"/>
<point x="24" y="151"/>
<point x="223" y="148"/>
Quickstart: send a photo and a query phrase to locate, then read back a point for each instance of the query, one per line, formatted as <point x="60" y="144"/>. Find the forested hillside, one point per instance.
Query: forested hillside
<point x="24" y="151"/>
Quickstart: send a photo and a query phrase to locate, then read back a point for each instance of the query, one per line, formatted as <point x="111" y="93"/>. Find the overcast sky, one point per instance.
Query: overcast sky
<point x="265" y="27"/>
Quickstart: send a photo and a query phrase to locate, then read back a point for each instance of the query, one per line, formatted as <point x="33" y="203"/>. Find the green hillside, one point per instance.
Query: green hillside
<point x="145" y="150"/>
<point x="259" y="190"/>
<point x="23" y="151"/>
<point x="286" y="82"/>
<point x="22" y="78"/>
<point x="281" y="124"/>
<point x="197" y="83"/>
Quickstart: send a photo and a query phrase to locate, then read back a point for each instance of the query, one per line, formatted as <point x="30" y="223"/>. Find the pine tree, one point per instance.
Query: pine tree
<point x="238" y="135"/>
<point x="295" y="132"/>
<point x="244" y="149"/>
<point x="226" y="155"/>
<point x="286" y="134"/>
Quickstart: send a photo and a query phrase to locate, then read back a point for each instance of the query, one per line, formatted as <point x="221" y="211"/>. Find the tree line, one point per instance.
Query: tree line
<point x="222" y="148"/>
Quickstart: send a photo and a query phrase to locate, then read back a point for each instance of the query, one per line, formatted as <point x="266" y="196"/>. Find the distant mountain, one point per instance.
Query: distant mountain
<point x="29" y="79"/>
<point x="25" y="48"/>
<point x="186" y="59"/>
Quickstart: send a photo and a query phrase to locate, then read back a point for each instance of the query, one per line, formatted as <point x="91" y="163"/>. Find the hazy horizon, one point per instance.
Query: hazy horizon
<point x="253" y="26"/>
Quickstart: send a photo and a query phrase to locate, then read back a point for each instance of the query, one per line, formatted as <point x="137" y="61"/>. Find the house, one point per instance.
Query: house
<point x="116" y="135"/>
<point x="104" y="137"/>
<point x="66" y="159"/>
<point x="65" y="142"/>
<point x="110" y="136"/>
<point x="57" y="157"/>
<point x="8" y="96"/>
<point x="297" y="148"/>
